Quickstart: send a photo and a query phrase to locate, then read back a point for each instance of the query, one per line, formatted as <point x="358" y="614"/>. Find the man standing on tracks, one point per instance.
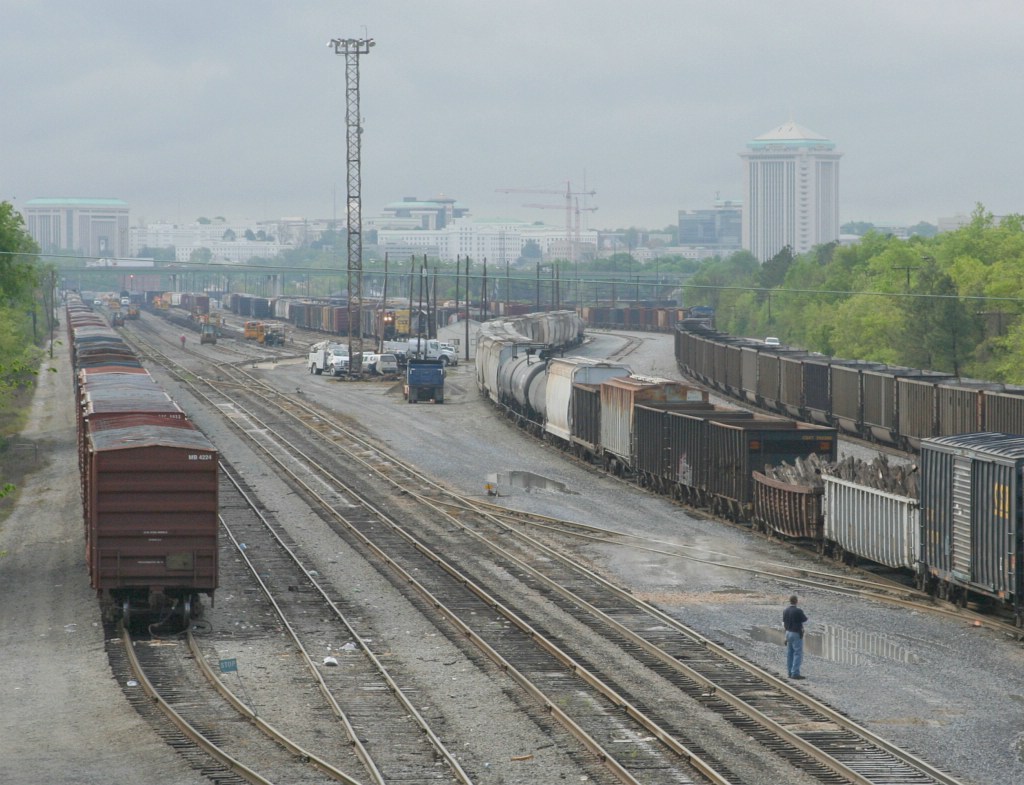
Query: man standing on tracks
<point x="183" y="340"/>
<point x="793" y="619"/>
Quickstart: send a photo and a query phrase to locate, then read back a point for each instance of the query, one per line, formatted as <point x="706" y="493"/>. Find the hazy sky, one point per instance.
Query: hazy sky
<point x="237" y="108"/>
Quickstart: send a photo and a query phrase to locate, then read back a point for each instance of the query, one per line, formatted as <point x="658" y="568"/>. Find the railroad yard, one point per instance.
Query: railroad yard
<point x="454" y="639"/>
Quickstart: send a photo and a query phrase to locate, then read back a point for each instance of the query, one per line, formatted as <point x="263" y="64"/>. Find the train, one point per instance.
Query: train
<point x="960" y="536"/>
<point x="386" y="322"/>
<point x="888" y="404"/>
<point x="149" y="482"/>
<point x="665" y="434"/>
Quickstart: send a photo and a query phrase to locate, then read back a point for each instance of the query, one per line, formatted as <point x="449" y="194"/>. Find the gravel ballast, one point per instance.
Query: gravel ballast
<point x="948" y="691"/>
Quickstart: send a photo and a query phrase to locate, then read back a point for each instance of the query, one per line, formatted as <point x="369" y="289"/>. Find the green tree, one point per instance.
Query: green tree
<point x="19" y="309"/>
<point x="856" y="227"/>
<point x="531" y="250"/>
<point x="18" y="254"/>
<point x="938" y="329"/>
<point x="924" y="229"/>
<point x="773" y="271"/>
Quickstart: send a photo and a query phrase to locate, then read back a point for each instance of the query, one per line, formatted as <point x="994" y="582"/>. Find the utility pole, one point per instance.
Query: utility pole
<point x="908" y="268"/>
<point x="352" y="49"/>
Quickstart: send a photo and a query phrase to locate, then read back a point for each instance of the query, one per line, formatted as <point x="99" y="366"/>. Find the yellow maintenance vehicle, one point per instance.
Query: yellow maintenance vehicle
<point x="207" y="333"/>
<point x="266" y="333"/>
<point x="271" y="334"/>
<point x="209" y="327"/>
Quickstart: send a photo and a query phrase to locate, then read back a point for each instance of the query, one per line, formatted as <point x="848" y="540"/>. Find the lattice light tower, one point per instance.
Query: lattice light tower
<point x="352" y="49"/>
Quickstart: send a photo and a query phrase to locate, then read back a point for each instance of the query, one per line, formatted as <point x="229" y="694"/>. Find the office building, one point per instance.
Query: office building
<point x="90" y="227"/>
<point x="791" y="191"/>
<point x="717" y="231"/>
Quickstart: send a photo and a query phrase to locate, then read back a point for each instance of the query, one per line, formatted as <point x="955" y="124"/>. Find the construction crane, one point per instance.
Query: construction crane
<point x="569" y="195"/>
<point x="574" y="231"/>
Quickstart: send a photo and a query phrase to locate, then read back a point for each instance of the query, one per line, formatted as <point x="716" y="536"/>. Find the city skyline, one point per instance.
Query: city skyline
<point x="238" y="110"/>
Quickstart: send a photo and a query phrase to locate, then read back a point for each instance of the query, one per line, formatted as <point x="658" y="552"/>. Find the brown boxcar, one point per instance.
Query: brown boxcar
<point x="847" y="392"/>
<point x="710" y="456"/>
<point x="151" y="515"/>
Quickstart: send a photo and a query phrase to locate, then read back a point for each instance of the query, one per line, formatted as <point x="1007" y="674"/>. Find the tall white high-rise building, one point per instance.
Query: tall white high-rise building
<point x="791" y="191"/>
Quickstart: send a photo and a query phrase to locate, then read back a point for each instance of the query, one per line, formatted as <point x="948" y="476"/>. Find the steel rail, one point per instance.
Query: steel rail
<point x="184" y="725"/>
<point x="393" y="685"/>
<point x="739" y="704"/>
<point x="259" y="722"/>
<point x="438" y="745"/>
<point x="840" y="719"/>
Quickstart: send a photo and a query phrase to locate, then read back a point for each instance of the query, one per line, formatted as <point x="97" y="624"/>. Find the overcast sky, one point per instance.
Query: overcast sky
<point x="238" y="108"/>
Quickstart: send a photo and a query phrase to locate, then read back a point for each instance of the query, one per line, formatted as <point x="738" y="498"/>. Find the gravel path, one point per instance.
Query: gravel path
<point x="64" y="718"/>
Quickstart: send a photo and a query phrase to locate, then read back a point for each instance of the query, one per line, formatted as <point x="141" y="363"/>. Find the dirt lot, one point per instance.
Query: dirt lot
<point x="64" y="718"/>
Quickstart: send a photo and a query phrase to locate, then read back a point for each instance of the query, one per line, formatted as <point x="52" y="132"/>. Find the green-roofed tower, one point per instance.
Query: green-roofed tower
<point x="790" y="191"/>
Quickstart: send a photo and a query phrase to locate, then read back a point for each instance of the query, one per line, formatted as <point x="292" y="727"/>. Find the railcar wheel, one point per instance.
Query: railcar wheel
<point x="185" y="609"/>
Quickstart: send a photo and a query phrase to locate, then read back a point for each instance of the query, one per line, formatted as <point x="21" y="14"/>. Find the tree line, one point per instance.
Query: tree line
<point x="25" y="310"/>
<point x="951" y="302"/>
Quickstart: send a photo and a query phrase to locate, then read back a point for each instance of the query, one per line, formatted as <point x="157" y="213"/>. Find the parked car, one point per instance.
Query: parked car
<point x="387" y="364"/>
<point x="771" y="340"/>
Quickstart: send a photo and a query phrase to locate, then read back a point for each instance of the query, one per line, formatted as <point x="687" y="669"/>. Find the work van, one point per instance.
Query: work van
<point x="387" y="364"/>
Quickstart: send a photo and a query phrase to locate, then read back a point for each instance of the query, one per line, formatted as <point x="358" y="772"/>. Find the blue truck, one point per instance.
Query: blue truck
<point x="424" y="381"/>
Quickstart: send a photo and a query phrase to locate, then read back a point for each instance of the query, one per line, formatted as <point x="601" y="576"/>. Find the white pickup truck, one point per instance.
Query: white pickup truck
<point x="424" y="349"/>
<point x="328" y="356"/>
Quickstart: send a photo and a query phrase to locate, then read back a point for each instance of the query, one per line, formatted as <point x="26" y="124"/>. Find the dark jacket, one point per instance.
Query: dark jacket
<point x="793" y="619"/>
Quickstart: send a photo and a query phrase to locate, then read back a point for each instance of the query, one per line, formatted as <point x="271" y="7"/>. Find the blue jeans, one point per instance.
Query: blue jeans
<point x="794" y="652"/>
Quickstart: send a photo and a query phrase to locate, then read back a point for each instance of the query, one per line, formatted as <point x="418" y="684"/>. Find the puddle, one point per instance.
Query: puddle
<point x="504" y="483"/>
<point x="842" y="645"/>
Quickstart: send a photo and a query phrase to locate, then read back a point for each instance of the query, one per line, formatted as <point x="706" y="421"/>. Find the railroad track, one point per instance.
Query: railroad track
<point x="811" y="737"/>
<point x="206" y="722"/>
<point x="850" y="581"/>
<point x="363" y="704"/>
<point x="391" y="737"/>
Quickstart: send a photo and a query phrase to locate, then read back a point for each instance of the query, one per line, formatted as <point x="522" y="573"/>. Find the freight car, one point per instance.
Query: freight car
<point x="646" y="317"/>
<point x="330" y="318"/>
<point x="959" y="535"/>
<point x="972" y="517"/>
<point x="886" y="404"/>
<point x="663" y="433"/>
<point x="149" y="482"/>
